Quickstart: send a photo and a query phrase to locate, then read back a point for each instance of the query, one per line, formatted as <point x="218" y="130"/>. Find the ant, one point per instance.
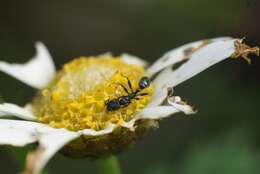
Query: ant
<point x="124" y="101"/>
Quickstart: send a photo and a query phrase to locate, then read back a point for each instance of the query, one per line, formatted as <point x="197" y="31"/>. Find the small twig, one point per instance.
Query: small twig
<point x="243" y="50"/>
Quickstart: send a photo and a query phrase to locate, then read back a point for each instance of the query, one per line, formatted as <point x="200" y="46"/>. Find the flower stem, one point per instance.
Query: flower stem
<point x="108" y="165"/>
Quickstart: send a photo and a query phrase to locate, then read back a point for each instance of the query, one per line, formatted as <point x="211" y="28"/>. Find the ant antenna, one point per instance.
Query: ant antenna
<point x="125" y="89"/>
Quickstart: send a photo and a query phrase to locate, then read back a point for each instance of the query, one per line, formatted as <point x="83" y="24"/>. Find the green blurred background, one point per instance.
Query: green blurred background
<point x="222" y="138"/>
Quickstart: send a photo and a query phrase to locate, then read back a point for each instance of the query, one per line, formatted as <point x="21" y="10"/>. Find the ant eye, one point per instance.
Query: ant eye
<point x="144" y="82"/>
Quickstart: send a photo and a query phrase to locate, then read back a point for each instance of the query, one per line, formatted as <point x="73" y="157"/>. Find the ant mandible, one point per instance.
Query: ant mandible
<point x="124" y="101"/>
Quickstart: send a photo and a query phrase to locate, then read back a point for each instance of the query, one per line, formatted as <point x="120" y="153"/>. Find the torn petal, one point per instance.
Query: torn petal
<point x="50" y="144"/>
<point x="151" y="113"/>
<point x="198" y="61"/>
<point x="179" y="54"/>
<point x="9" y="109"/>
<point x="133" y="60"/>
<point x="37" y="73"/>
<point x="182" y="106"/>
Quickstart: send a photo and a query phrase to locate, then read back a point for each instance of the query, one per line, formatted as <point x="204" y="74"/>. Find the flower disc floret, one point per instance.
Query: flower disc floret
<point x="76" y="98"/>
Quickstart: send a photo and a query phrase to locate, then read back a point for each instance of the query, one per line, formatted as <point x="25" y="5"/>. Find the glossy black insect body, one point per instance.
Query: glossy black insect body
<point x="123" y="101"/>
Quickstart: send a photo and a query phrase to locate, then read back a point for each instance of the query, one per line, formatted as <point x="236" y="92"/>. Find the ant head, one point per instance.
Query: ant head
<point x="144" y="82"/>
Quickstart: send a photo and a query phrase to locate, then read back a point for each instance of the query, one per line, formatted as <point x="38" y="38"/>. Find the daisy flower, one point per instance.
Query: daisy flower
<point x="96" y="106"/>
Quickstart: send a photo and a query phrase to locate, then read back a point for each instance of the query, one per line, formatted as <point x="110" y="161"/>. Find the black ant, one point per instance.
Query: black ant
<point x="124" y="101"/>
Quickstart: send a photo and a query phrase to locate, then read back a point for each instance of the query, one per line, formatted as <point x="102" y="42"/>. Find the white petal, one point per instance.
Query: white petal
<point x="92" y="132"/>
<point x="199" y="60"/>
<point x="133" y="60"/>
<point x="37" y="73"/>
<point x="179" y="54"/>
<point x="157" y="112"/>
<point x="151" y="113"/>
<point x="50" y="144"/>
<point x="51" y="140"/>
<point x="19" y="133"/>
<point x="106" y="54"/>
<point x="9" y="109"/>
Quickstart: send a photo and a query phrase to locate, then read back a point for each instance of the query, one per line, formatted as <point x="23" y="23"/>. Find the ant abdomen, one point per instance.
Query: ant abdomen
<point x="112" y="105"/>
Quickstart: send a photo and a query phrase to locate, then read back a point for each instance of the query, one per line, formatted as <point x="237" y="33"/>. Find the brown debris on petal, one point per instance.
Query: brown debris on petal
<point x="31" y="159"/>
<point x="187" y="52"/>
<point x="165" y="58"/>
<point x="243" y="50"/>
<point x="190" y="50"/>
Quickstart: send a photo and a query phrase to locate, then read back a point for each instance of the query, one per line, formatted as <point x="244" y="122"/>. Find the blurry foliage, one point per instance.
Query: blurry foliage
<point x="226" y="96"/>
<point x="18" y="154"/>
<point x="1" y="99"/>
<point x="230" y="154"/>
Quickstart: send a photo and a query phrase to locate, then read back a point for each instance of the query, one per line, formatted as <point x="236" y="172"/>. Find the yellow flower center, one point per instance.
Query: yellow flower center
<point x="76" y="98"/>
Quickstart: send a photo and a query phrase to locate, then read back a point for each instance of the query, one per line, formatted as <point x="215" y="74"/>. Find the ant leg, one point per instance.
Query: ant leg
<point x="129" y="83"/>
<point x="137" y="98"/>
<point x="142" y="94"/>
<point x="125" y="89"/>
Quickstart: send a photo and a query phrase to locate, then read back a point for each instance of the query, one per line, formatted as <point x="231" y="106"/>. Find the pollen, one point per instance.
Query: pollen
<point x="76" y="97"/>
